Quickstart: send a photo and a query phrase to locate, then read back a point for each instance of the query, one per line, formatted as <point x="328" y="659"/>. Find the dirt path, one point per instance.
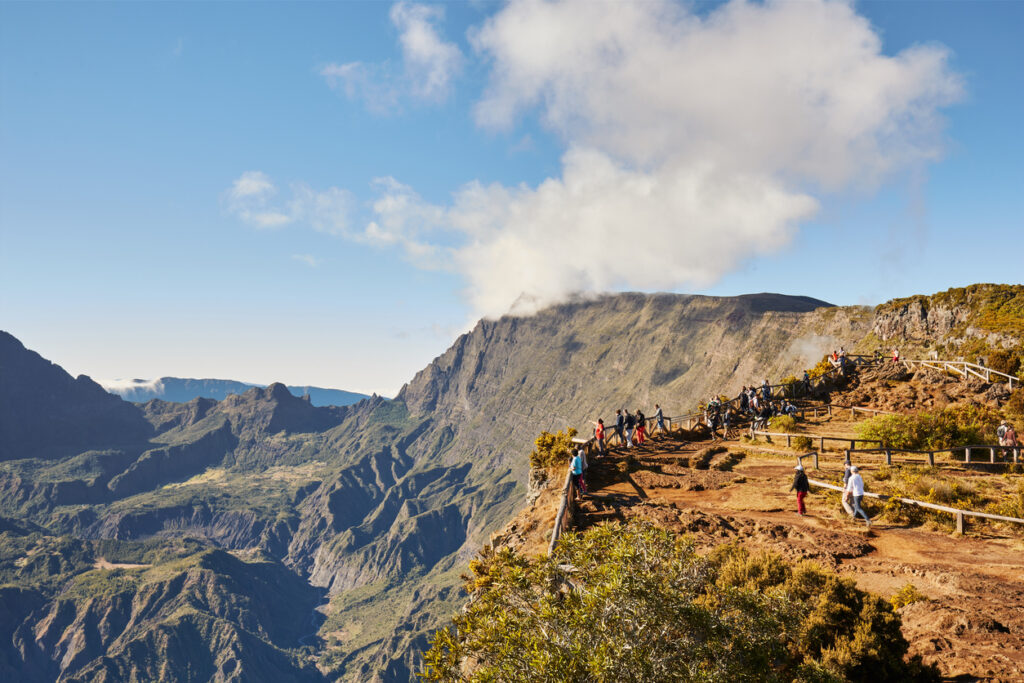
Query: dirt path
<point x="972" y="625"/>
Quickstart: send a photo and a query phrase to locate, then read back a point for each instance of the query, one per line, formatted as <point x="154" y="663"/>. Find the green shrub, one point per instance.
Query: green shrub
<point x="823" y="367"/>
<point x="907" y="595"/>
<point x="1002" y="360"/>
<point x="1014" y="407"/>
<point x="552" y="450"/>
<point x="956" y="425"/>
<point x="785" y="424"/>
<point x="803" y="443"/>
<point x="636" y="603"/>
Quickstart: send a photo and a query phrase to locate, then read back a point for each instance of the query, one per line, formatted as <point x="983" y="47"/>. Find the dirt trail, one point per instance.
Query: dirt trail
<point x="973" y="623"/>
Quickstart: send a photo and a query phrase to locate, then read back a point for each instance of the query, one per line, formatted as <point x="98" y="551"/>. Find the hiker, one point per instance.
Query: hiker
<point x="744" y="400"/>
<point x="1001" y="436"/>
<point x="1008" y="439"/>
<point x="788" y="408"/>
<point x="641" y="427"/>
<point x="846" y="480"/>
<point x="835" y="357"/>
<point x="619" y="423"/>
<point x="726" y="419"/>
<point x="895" y="355"/>
<point x="630" y="424"/>
<point x="802" y="487"/>
<point x="807" y="383"/>
<point x="854" y="492"/>
<point x="599" y="435"/>
<point x="576" y="465"/>
<point x="660" y="417"/>
<point x="766" y="390"/>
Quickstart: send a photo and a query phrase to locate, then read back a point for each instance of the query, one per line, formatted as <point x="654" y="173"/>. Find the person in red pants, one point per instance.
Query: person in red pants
<point x="802" y="487"/>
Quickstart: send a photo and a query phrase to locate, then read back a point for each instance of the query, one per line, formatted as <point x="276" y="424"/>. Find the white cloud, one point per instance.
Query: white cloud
<point x="251" y="198"/>
<point x="308" y="259"/>
<point x="693" y="141"/>
<point x="429" y="63"/>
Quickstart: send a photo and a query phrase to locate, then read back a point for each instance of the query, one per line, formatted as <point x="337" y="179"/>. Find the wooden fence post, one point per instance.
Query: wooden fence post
<point x="848" y="455"/>
<point x="830" y="410"/>
<point x="788" y="441"/>
<point x="992" y="455"/>
<point x="960" y="523"/>
<point x="816" y="460"/>
<point x="931" y="458"/>
<point x="822" y="444"/>
<point x="967" y="455"/>
<point x="1016" y="452"/>
<point x="888" y="457"/>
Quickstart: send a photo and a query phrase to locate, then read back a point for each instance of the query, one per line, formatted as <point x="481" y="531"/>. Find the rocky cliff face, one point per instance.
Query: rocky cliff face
<point x="377" y="506"/>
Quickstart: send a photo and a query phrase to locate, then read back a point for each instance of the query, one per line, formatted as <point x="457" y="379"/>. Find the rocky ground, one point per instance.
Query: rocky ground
<point x="972" y="623"/>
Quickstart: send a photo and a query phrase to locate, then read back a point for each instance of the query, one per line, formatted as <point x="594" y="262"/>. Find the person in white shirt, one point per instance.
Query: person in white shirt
<point x="854" y="493"/>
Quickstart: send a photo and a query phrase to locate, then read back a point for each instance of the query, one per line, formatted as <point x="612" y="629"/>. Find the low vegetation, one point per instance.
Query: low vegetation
<point x="956" y="425"/>
<point x="637" y="603"/>
<point x="552" y="450"/>
<point x="907" y="595"/>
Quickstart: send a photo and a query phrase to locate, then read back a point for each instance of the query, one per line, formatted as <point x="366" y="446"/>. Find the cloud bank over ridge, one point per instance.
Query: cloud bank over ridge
<point x="692" y="142"/>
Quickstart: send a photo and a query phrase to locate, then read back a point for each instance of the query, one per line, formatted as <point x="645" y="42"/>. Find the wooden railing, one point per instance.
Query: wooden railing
<point x="564" y="516"/>
<point x="964" y="369"/>
<point x="814" y="437"/>
<point x="956" y="512"/>
<point x="930" y="455"/>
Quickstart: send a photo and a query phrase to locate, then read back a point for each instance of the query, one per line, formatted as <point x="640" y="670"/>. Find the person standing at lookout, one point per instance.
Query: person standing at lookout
<point x="802" y="488"/>
<point x="660" y="417"/>
<point x="630" y="424"/>
<point x="766" y="391"/>
<point x="641" y="427"/>
<point x="599" y="435"/>
<point x="619" y="426"/>
<point x="855" y="494"/>
<point x="576" y="465"/>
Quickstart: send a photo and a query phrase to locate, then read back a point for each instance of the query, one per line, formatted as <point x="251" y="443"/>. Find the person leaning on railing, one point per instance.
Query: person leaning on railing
<point x="599" y="435"/>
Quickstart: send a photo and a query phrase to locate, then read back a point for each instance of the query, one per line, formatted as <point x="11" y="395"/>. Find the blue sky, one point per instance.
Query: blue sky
<point x="327" y="193"/>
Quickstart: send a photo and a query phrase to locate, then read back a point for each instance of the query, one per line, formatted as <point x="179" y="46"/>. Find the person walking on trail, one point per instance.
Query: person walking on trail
<point x="766" y="390"/>
<point x="802" y="488"/>
<point x="854" y="492"/>
<point x="599" y="435"/>
<point x="619" y="423"/>
<point x="630" y="424"/>
<point x="660" y="417"/>
<point x="726" y="419"/>
<point x="641" y="427"/>
<point x="743" y="399"/>
<point x="807" y="383"/>
<point x="576" y="466"/>
<point x="846" y="480"/>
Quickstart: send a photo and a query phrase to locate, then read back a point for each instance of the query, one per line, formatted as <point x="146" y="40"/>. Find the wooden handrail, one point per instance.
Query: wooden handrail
<point x="957" y="512"/>
<point x="556" y="532"/>
<point x="962" y="368"/>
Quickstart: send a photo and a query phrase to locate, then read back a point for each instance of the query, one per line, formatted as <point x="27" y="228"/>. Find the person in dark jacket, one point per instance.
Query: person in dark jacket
<point x="802" y="488"/>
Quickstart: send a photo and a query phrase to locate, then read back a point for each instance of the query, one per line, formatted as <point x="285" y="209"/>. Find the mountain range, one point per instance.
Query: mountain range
<point x="183" y="390"/>
<point x="145" y="537"/>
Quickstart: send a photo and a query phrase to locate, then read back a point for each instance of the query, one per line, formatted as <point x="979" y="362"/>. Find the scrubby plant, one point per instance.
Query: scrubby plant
<point x="907" y="595"/>
<point x="637" y="603"/>
<point x="551" y="450"/>
<point x="823" y="367"/>
<point x="1014" y="407"/>
<point x="1002" y="360"/>
<point x="952" y="426"/>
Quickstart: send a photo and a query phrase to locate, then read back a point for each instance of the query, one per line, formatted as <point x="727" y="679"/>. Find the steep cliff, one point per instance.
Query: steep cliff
<point x="377" y="506"/>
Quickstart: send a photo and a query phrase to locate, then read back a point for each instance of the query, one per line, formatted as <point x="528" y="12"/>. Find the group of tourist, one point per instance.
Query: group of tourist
<point x="1007" y="436"/>
<point x="853" y="491"/>
<point x="629" y="427"/>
